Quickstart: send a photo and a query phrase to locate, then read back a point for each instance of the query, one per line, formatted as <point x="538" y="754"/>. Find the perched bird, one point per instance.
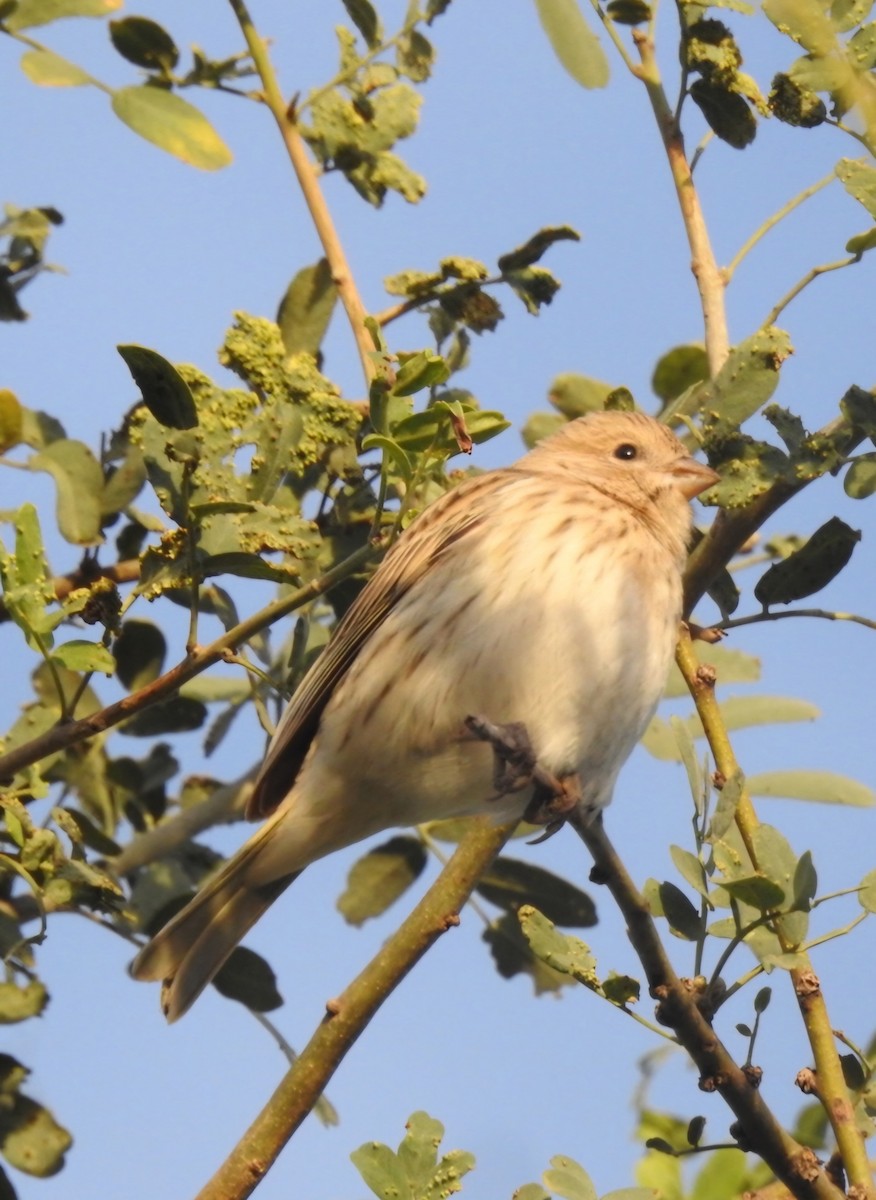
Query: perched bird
<point x="547" y="593"/>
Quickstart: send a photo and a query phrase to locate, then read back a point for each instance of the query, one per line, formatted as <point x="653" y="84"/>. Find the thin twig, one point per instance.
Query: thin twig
<point x="810" y="276"/>
<point x="771" y="615"/>
<point x="708" y="277"/>
<point x="69" y="733"/>
<point x="771" y="223"/>
<point x="833" y="1091"/>
<point x="308" y="181"/>
<point x="794" y="1164"/>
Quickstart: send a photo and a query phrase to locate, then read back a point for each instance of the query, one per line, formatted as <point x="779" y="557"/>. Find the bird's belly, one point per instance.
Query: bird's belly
<point x="580" y="658"/>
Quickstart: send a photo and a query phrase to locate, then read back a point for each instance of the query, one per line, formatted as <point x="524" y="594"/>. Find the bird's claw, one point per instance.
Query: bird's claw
<point x="516" y="767"/>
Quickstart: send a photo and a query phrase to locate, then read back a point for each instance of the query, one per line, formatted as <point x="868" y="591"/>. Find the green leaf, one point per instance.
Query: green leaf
<point x="564" y="953"/>
<point x="573" y="42"/>
<point x="417" y="371"/>
<point x="366" y="20"/>
<point x="172" y="124"/>
<point x="306" y="308"/>
<point x="165" y="393"/>
<point x="91" y="836"/>
<point x="861" y="49"/>
<point x="567" y="1179"/>
<point x="846" y="14"/>
<point x="510" y="883"/>
<point x="810" y="568"/>
<point x="29" y="13"/>
<point x="629" y="12"/>
<point x="690" y="868"/>
<point x="51" y="70"/>
<point x="79" y="482"/>
<point x="540" y="425"/>
<point x="805" y="883"/>
<point x="248" y="978"/>
<point x="139" y="651"/>
<point x="867" y="892"/>
<point x="31" y="1139"/>
<point x="176" y="715"/>
<point x="679" y="369"/>
<point x="415" y="1171"/>
<point x="862" y="242"/>
<point x="748" y="468"/>
<point x="11" y="420"/>
<point x="725" y="810"/>
<point x="727" y="113"/>
<point x="377" y="879"/>
<point x="512" y="955"/>
<point x="724" y="1175"/>
<point x="533" y="249"/>
<point x="858" y="177"/>
<point x="739" y="712"/>
<point x="860" y="479"/>
<point x="144" y="43"/>
<point x="746" y="381"/>
<point x="531" y="1191"/>
<point x="756" y="890"/>
<point x="805" y="21"/>
<point x="821" y="787"/>
<point x="81" y="655"/>
<point x="20" y="1003"/>
<point x="683" y="918"/>
<point x="576" y="395"/>
<point x="684" y="741"/>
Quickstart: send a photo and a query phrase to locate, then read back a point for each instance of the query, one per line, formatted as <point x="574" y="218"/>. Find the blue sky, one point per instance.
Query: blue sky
<point x="160" y="254"/>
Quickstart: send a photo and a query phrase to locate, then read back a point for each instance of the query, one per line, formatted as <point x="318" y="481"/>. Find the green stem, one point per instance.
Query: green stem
<point x="345" y="76"/>
<point x="832" y="1089"/>
<point x="810" y="276"/>
<point x="770" y="615"/>
<point x="308" y="181"/>
<point x="35" y="45"/>
<point x="772" y="221"/>
<point x="612" y="31"/>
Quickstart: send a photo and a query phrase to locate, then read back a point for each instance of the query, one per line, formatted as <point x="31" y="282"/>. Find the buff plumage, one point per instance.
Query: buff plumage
<point x="547" y="593"/>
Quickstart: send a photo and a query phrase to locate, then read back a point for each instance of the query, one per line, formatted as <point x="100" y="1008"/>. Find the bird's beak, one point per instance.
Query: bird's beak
<point x="691" y="477"/>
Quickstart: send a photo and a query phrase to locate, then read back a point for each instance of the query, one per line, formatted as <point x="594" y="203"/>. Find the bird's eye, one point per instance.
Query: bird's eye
<point x="626" y="451"/>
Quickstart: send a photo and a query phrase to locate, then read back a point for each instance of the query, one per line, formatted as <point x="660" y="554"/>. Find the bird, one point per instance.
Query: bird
<point x="544" y="596"/>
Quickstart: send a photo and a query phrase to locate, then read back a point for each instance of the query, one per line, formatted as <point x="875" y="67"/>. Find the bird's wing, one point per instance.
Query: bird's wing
<point x="443" y="523"/>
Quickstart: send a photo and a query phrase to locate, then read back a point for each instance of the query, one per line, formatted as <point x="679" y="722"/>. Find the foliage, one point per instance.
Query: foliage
<point x="285" y="481"/>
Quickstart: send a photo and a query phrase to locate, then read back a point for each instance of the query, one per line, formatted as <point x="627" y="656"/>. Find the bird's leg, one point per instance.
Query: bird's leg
<point x="516" y="767"/>
<point x="513" y="756"/>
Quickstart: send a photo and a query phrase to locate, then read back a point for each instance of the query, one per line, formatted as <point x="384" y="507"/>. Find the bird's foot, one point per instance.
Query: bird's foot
<point x="551" y="804"/>
<point x="516" y="767"/>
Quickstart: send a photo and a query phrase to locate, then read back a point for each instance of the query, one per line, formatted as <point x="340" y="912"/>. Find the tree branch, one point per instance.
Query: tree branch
<point x="308" y="181"/>
<point x="709" y="279"/>
<point x="68" y="733"/>
<point x="348" y="1016"/>
<point x="832" y="1089"/>
<point x="794" y="1164"/>
<point x="732" y="528"/>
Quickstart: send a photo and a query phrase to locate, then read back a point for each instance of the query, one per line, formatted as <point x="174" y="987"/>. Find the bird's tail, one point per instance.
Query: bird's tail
<point x="193" y="945"/>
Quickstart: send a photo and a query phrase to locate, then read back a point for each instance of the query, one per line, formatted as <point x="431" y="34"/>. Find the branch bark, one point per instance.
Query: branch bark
<point x="832" y="1090"/>
<point x="68" y="733"/>
<point x="348" y="1016"/>
<point x="795" y="1165"/>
